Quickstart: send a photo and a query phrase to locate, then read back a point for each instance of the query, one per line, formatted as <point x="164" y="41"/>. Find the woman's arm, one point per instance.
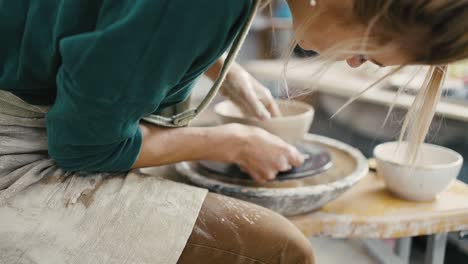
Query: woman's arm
<point x="258" y="152"/>
<point x="169" y="145"/>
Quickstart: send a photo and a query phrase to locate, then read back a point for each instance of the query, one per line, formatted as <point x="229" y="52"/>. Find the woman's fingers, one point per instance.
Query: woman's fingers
<point x="272" y="107"/>
<point x="262" y="173"/>
<point x="252" y="103"/>
<point x="295" y="157"/>
<point x="238" y="88"/>
<point x="250" y="95"/>
<point x="266" y="98"/>
<point x="259" y="175"/>
<point x="263" y="155"/>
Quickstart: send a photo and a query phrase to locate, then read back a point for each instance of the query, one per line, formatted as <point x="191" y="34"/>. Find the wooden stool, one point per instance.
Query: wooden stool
<point x="368" y="211"/>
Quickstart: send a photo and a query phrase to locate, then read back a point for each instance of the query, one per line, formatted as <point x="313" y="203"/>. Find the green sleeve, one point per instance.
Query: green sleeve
<point x="113" y="76"/>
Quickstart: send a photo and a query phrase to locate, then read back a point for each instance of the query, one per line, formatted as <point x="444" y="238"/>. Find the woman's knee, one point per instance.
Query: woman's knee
<point x="250" y="231"/>
<point x="294" y="248"/>
<point x="298" y="250"/>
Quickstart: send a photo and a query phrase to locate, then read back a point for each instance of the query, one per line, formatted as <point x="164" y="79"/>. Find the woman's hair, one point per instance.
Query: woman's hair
<point x="429" y="32"/>
<point x="432" y="32"/>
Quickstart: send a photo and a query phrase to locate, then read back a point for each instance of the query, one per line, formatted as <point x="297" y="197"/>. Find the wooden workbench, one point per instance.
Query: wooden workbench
<point x="369" y="211"/>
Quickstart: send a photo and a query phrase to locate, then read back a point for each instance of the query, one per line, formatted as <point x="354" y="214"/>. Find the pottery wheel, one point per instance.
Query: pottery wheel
<point x="318" y="160"/>
<point x="289" y="197"/>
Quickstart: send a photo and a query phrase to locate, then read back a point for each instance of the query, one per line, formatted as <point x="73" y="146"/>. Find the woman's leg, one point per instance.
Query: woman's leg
<point x="230" y="231"/>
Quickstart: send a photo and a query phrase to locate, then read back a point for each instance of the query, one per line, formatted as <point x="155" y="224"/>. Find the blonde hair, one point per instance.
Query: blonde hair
<point x="430" y="32"/>
<point x="434" y="33"/>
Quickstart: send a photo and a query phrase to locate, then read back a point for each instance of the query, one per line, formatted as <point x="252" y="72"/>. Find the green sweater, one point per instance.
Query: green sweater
<point x="105" y="64"/>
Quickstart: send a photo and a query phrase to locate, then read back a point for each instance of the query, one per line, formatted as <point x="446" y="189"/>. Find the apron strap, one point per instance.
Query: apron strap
<point x="184" y="118"/>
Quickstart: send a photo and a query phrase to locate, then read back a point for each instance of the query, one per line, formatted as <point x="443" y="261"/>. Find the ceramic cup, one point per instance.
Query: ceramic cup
<point x="291" y="126"/>
<point x="436" y="168"/>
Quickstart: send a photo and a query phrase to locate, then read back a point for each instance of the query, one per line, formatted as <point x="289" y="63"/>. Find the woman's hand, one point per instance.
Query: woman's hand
<point x="254" y="99"/>
<point x="260" y="154"/>
<point x="248" y="94"/>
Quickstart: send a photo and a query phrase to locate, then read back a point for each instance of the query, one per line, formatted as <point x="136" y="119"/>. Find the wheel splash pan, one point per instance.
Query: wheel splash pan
<point x="291" y="197"/>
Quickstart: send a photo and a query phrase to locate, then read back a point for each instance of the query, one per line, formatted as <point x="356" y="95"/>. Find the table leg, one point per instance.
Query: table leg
<point x="462" y="235"/>
<point x="435" y="249"/>
<point x="403" y="248"/>
<point x="381" y="252"/>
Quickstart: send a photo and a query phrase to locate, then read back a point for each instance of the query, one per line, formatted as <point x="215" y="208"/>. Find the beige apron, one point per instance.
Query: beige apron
<point x="51" y="216"/>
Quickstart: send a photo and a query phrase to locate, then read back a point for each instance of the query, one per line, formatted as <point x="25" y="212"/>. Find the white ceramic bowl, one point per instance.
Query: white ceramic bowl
<point x="291" y="126"/>
<point x="435" y="169"/>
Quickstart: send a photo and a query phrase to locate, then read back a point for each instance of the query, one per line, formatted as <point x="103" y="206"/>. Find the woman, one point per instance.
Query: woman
<point x="79" y="76"/>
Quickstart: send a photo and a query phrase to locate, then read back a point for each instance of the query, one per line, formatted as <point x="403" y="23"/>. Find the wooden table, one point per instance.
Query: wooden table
<point x="368" y="211"/>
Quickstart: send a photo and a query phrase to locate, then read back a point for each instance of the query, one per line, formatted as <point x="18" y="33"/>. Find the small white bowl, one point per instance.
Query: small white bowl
<point x="436" y="168"/>
<point x="291" y="126"/>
